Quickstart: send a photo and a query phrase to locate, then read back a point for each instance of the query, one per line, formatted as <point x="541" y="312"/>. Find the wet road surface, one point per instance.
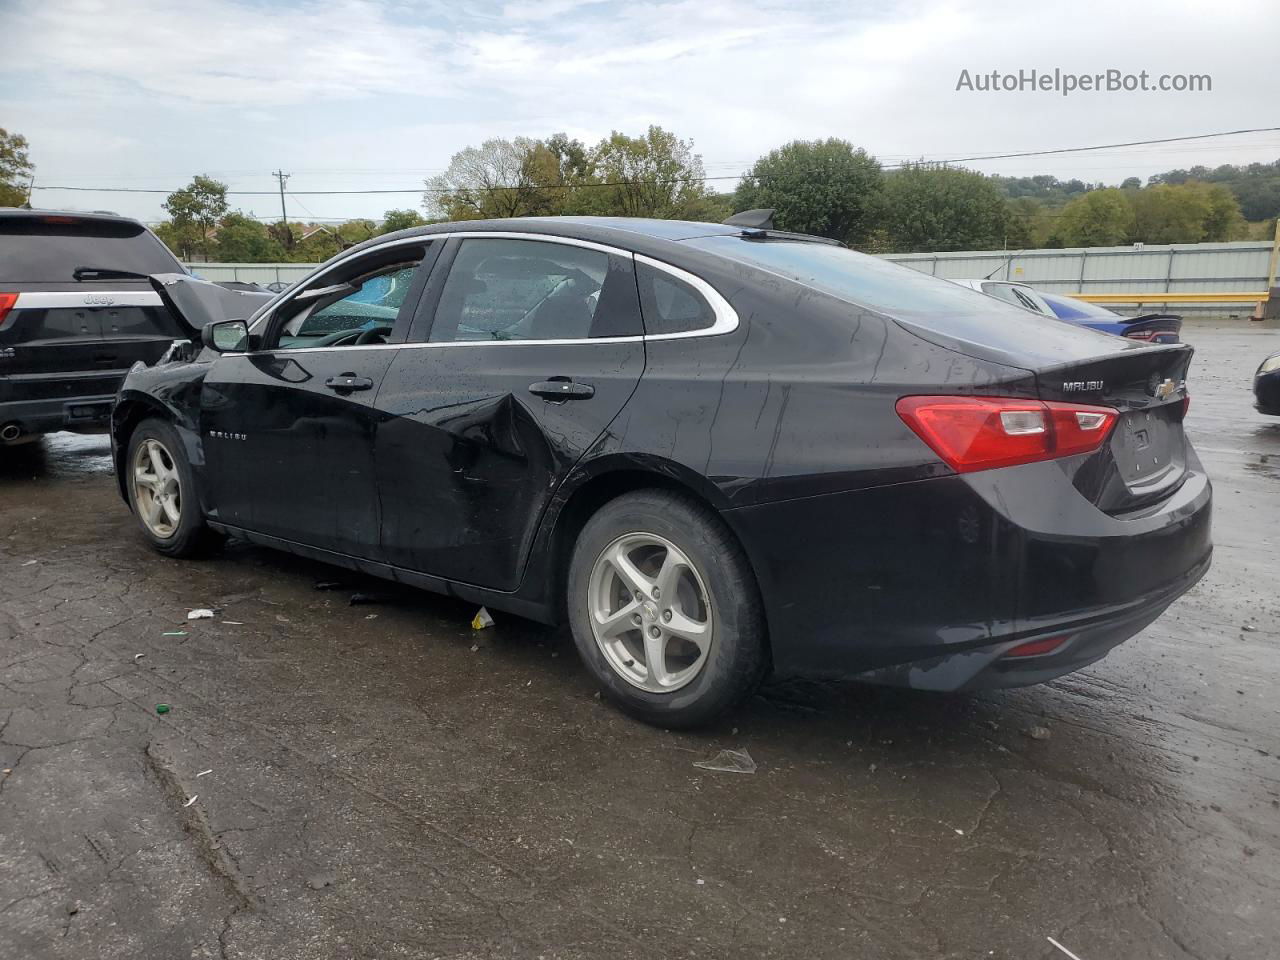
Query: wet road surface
<point x="385" y="782"/>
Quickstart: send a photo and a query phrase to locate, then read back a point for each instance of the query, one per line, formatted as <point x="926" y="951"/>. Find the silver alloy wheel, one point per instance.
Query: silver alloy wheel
<point x="157" y="490"/>
<point x="650" y="612"/>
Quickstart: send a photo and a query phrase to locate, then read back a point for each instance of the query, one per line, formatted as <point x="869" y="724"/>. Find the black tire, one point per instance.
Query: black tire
<point x="190" y="537"/>
<point x="738" y="656"/>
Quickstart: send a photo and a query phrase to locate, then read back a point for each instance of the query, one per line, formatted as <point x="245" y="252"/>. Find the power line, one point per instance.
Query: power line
<point x="677" y="180"/>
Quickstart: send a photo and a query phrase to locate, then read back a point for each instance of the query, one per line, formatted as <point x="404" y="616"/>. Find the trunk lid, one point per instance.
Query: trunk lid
<point x="84" y="311"/>
<point x="1144" y="459"/>
<point x="1154" y="328"/>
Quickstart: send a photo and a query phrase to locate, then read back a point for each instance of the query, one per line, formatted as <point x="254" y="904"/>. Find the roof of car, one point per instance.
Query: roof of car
<point x="582" y="227"/>
<point x="101" y="215"/>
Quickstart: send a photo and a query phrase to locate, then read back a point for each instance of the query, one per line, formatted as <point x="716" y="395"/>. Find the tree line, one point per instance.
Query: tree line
<point x="830" y="187"/>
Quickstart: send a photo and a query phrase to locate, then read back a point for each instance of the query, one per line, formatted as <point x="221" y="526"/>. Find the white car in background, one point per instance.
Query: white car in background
<point x="1019" y="294"/>
<point x="1148" y="327"/>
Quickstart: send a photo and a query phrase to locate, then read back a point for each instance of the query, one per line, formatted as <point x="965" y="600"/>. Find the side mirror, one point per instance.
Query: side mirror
<point x="226" y="335"/>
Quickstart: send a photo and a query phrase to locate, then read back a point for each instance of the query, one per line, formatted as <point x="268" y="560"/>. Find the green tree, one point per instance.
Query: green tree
<point x="823" y="187"/>
<point x="394" y="220"/>
<point x="16" y="169"/>
<point x="196" y="210"/>
<point x="1099" y="218"/>
<point x="653" y="175"/>
<point x="242" y="239"/>
<point x="1026" y="224"/>
<point x="499" y="178"/>
<point x="1190" y="212"/>
<point x="928" y="207"/>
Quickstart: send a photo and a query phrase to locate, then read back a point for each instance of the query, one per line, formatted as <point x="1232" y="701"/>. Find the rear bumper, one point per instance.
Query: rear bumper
<point x="47" y="416"/>
<point x="929" y="584"/>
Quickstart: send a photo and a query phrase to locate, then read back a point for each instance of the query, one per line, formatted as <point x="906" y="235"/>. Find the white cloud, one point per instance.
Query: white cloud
<point x="353" y="86"/>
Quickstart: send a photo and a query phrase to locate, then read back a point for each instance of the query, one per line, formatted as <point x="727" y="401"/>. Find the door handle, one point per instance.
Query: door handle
<point x="347" y="382"/>
<point x="561" y="388"/>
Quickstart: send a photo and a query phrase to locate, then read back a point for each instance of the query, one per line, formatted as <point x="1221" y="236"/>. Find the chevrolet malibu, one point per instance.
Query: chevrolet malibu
<point x="715" y="450"/>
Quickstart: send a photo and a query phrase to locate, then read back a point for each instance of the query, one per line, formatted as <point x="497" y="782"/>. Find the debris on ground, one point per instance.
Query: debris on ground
<point x="1062" y="948"/>
<point x="363" y="599"/>
<point x="1249" y="628"/>
<point x="729" y="761"/>
<point x="204" y="773"/>
<point x="174" y="633"/>
<point x="200" y="613"/>
<point x="1037" y="733"/>
<point x="234" y="623"/>
<point x="329" y="585"/>
<point x="482" y="619"/>
<point x="162" y="708"/>
<point x="322" y="880"/>
<point x="30" y="562"/>
<point x="138" y="656"/>
<point x="194" y="798"/>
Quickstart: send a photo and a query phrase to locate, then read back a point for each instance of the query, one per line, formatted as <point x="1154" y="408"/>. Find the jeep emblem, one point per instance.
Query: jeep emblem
<point x="98" y="300"/>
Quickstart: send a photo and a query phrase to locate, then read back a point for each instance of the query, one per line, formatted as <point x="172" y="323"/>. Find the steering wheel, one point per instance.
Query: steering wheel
<point x="373" y="335"/>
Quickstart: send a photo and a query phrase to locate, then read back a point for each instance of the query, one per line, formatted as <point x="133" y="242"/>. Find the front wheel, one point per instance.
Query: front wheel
<point x="162" y="491"/>
<point x="664" y="609"/>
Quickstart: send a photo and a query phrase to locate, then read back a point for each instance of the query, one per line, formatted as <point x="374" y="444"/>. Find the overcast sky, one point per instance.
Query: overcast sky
<point x="354" y="94"/>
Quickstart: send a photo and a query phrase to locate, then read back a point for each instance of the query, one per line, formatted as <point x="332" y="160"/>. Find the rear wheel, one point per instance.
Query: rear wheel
<point x="162" y="491"/>
<point x="664" y="609"/>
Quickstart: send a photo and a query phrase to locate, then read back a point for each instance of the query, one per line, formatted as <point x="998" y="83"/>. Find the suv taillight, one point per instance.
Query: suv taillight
<point x="7" y="300"/>
<point x="980" y="433"/>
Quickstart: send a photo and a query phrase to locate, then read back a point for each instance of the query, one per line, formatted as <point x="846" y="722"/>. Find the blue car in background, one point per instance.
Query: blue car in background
<point x="1151" y="327"/>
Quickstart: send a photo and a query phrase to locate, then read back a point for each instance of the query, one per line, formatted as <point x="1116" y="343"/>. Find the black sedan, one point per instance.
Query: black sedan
<point x="715" y="450"/>
<point x="1266" y="386"/>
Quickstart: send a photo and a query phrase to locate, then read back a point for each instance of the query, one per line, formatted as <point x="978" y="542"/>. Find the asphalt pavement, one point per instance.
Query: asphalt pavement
<point x="381" y="781"/>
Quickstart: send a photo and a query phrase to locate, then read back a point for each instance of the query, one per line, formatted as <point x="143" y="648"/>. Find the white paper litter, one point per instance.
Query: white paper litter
<point x="201" y="613"/>
<point x="194" y="798"/>
<point x="203" y="772"/>
<point x="1062" y="948"/>
<point x="729" y="761"/>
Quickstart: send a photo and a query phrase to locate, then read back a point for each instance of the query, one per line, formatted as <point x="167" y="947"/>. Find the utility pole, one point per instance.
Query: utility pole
<point x="284" y="220"/>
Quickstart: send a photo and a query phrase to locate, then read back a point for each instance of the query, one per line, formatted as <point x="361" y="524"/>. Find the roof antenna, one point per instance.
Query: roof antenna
<point x="761" y="219"/>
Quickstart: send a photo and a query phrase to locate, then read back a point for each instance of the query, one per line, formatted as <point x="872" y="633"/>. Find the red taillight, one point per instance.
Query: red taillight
<point x="979" y="433"/>
<point x="7" y="300"/>
<point x="58" y="220"/>
<point x="1036" y="648"/>
<point x="1186" y="404"/>
<point x="1141" y="335"/>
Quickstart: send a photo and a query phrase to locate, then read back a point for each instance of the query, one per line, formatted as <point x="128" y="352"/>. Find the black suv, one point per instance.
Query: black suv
<point x="76" y="311"/>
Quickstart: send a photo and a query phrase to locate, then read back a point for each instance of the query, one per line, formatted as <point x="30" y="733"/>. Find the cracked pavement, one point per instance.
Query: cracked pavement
<point x="380" y="789"/>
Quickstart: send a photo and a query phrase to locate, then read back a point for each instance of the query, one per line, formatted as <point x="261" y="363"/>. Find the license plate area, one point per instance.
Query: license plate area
<point x="1149" y="448"/>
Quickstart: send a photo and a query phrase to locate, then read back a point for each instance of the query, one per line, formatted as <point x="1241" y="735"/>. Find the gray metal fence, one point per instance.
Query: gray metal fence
<point x="1170" y="268"/>
<point x="253" y="272"/>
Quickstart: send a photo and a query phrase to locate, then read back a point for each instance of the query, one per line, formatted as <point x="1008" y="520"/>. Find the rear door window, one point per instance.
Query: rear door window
<point x="49" y="249"/>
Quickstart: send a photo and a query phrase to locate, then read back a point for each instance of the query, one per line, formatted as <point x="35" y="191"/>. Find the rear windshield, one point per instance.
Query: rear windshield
<point x="858" y="278"/>
<point x="46" y="249"/>
<point x="1069" y="308"/>
<point x="902" y="293"/>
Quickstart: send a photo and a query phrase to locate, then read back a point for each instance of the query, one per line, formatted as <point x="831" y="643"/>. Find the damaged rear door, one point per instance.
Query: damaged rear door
<point x="523" y="352"/>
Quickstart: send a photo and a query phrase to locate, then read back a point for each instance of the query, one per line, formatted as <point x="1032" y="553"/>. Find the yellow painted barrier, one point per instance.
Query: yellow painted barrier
<point x="1172" y="297"/>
